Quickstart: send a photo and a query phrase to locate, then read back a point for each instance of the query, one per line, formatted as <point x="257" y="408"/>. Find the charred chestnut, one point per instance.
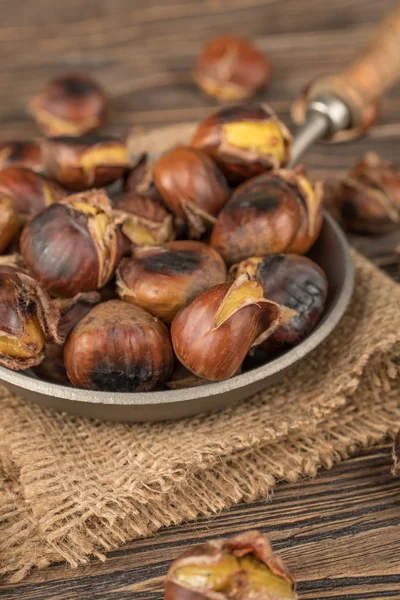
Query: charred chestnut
<point x="231" y="68"/>
<point x="244" y="140"/>
<point x="85" y="162"/>
<point x="241" y="568"/>
<point x="164" y="279"/>
<point x="212" y="335"/>
<point x="118" y="347"/>
<point x="28" y="319"/>
<point x="9" y="222"/>
<point x="70" y="105"/>
<point x="270" y="214"/>
<point x="52" y="367"/>
<point x="192" y="187"/>
<point x="292" y="281"/>
<point x="75" y="245"/>
<point x="368" y="199"/>
<point x="21" y="154"/>
<point x="31" y="193"/>
<point x="147" y="223"/>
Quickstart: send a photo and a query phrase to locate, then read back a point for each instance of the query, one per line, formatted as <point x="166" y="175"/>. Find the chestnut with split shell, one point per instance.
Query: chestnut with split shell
<point x="70" y="104"/>
<point x="147" y="222"/>
<point x="26" y="154"/>
<point x="292" y="281"/>
<point x="119" y="347"/>
<point x="75" y="245"/>
<point x="192" y="187"/>
<point x="9" y="222"/>
<point x="241" y="568"/>
<point x="85" y="162"/>
<point x="212" y="335"/>
<point x="231" y="68"/>
<point x="164" y="279"/>
<point x="269" y="214"/>
<point x="28" y="318"/>
<point x="244" y="140"/>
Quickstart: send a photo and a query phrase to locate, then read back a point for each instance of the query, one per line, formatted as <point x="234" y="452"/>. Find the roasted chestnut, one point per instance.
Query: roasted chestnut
<point x="75" y="245"/>
<point x="270" y="214"/>
<point x="139" y="179"/>
<point x="118" y="347"/>
<point x="212" y="335"/>
<point x="164" y="279"/>
<point x="31" y="193"/>
<point x="231" y="68"/>
<point x="244" y="140"/>
<point x="9" y="222"/>
<point x="11" y="263"/>
<point x="368" y="199"/>
<point x="241" y="568"/>
<point x="21" y="154"/>
<point x="192" y="186"/>
<point x="52" y="367"/>
<point x="70" y="105"/>
<point x="28" y="319"/>
<point x="85" y="162"/>
<point x="292" y="281"/>
<point x="147" y="223"/>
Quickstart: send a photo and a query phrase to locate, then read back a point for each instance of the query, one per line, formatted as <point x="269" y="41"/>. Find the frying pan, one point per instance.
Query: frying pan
<point x="334" y="106"/>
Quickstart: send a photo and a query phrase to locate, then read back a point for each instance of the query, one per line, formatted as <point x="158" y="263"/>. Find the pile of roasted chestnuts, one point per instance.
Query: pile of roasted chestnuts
<point x="188" y="269"/>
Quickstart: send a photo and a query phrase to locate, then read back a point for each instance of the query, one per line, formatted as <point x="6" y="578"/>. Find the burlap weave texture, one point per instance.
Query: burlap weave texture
<point x="71" y="487"/>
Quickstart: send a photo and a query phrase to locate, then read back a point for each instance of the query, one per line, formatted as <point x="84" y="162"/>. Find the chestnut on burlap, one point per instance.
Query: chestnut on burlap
<point x="71" y="488"/>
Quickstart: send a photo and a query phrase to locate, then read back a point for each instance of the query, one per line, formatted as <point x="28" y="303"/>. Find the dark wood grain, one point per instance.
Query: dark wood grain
<point x="340" y="532"/>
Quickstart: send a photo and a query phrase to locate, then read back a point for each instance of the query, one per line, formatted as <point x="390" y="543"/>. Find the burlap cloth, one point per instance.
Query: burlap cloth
<point x="71" y="487"/>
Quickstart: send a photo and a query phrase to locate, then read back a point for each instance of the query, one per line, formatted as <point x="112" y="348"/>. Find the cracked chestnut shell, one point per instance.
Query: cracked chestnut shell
<point x="31" y="193"/>
<point x="241" y="568"/>
<point x="118" y="347"/>
<point x="244" y="140"/>
<point x="85" y="162"/>
<point x="11" y="263"/>
<point x="164" y="279"/>
<point x="368" y="199"/>
<point x="293" y="281"/>
<point x="28" y="318"/>
<point x="70" y="105"/>
<point x="26" y="154"/>
<point x="212" y="335"/>
<point x="9" y="222"/>
<point x="192" y="187"/>
<point x="147" y="223"/>
<point x="231" y="68"/>
<point x="75" y="245"/>
<point x="72" y="310"/>
<point x="273" y="213"/>
<point x="139" y="179"/>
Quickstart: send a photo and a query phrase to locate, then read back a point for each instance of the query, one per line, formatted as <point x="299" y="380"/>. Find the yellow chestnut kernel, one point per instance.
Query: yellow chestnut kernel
<point x="85" y="208"/>
<point x="101" y="223"/>
<point x="108" y="156"/>
<point x="62" y="127"/>
<point x="266" y="138"/>
<point x="138" y="234"/>
<point x="312" y="201"/>
<point x="261" y="576"/>
<point x="209" y="577"/>
<point x="22" y="347"/>
<point x="248" y="291"/>
<point x="226" y="91"/>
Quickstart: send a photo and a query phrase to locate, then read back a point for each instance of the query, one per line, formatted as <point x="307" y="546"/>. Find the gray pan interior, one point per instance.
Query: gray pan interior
<point x="331" y="252"/>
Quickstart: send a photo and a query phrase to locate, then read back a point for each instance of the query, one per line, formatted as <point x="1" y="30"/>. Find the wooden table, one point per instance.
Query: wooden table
<point x="340" y="532"/>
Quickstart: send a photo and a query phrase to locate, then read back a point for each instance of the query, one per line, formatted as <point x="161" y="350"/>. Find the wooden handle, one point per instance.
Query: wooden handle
<point x="371" y="74"/>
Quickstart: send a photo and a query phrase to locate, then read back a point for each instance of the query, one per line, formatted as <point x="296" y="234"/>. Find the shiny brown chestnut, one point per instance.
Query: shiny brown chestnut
<point x="31" y="193"/>
<point x="26" y="154"/>
<point x="212" y="335"/>
<point x="75" y="245"/>
<point x="85" y="162"/>
<point x="293" y="281"/>
<point x="244" y="140"/>
<point x="139" y="179"/>
<point x="231" y="68"/>
<point x="368" y="199"/>
<point x="28" y="319"/>
<point x="270" y="214"/>
<point x="118" y="347"/>
<point x="241" y="568"/>
<point x="147" y="223"/>
<point x="9" y="222"/>
<point x="72" y="310"/>
<point x="70" y="105"/>
<point x="163" y="279"/>
<point x="192" y="187"/>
